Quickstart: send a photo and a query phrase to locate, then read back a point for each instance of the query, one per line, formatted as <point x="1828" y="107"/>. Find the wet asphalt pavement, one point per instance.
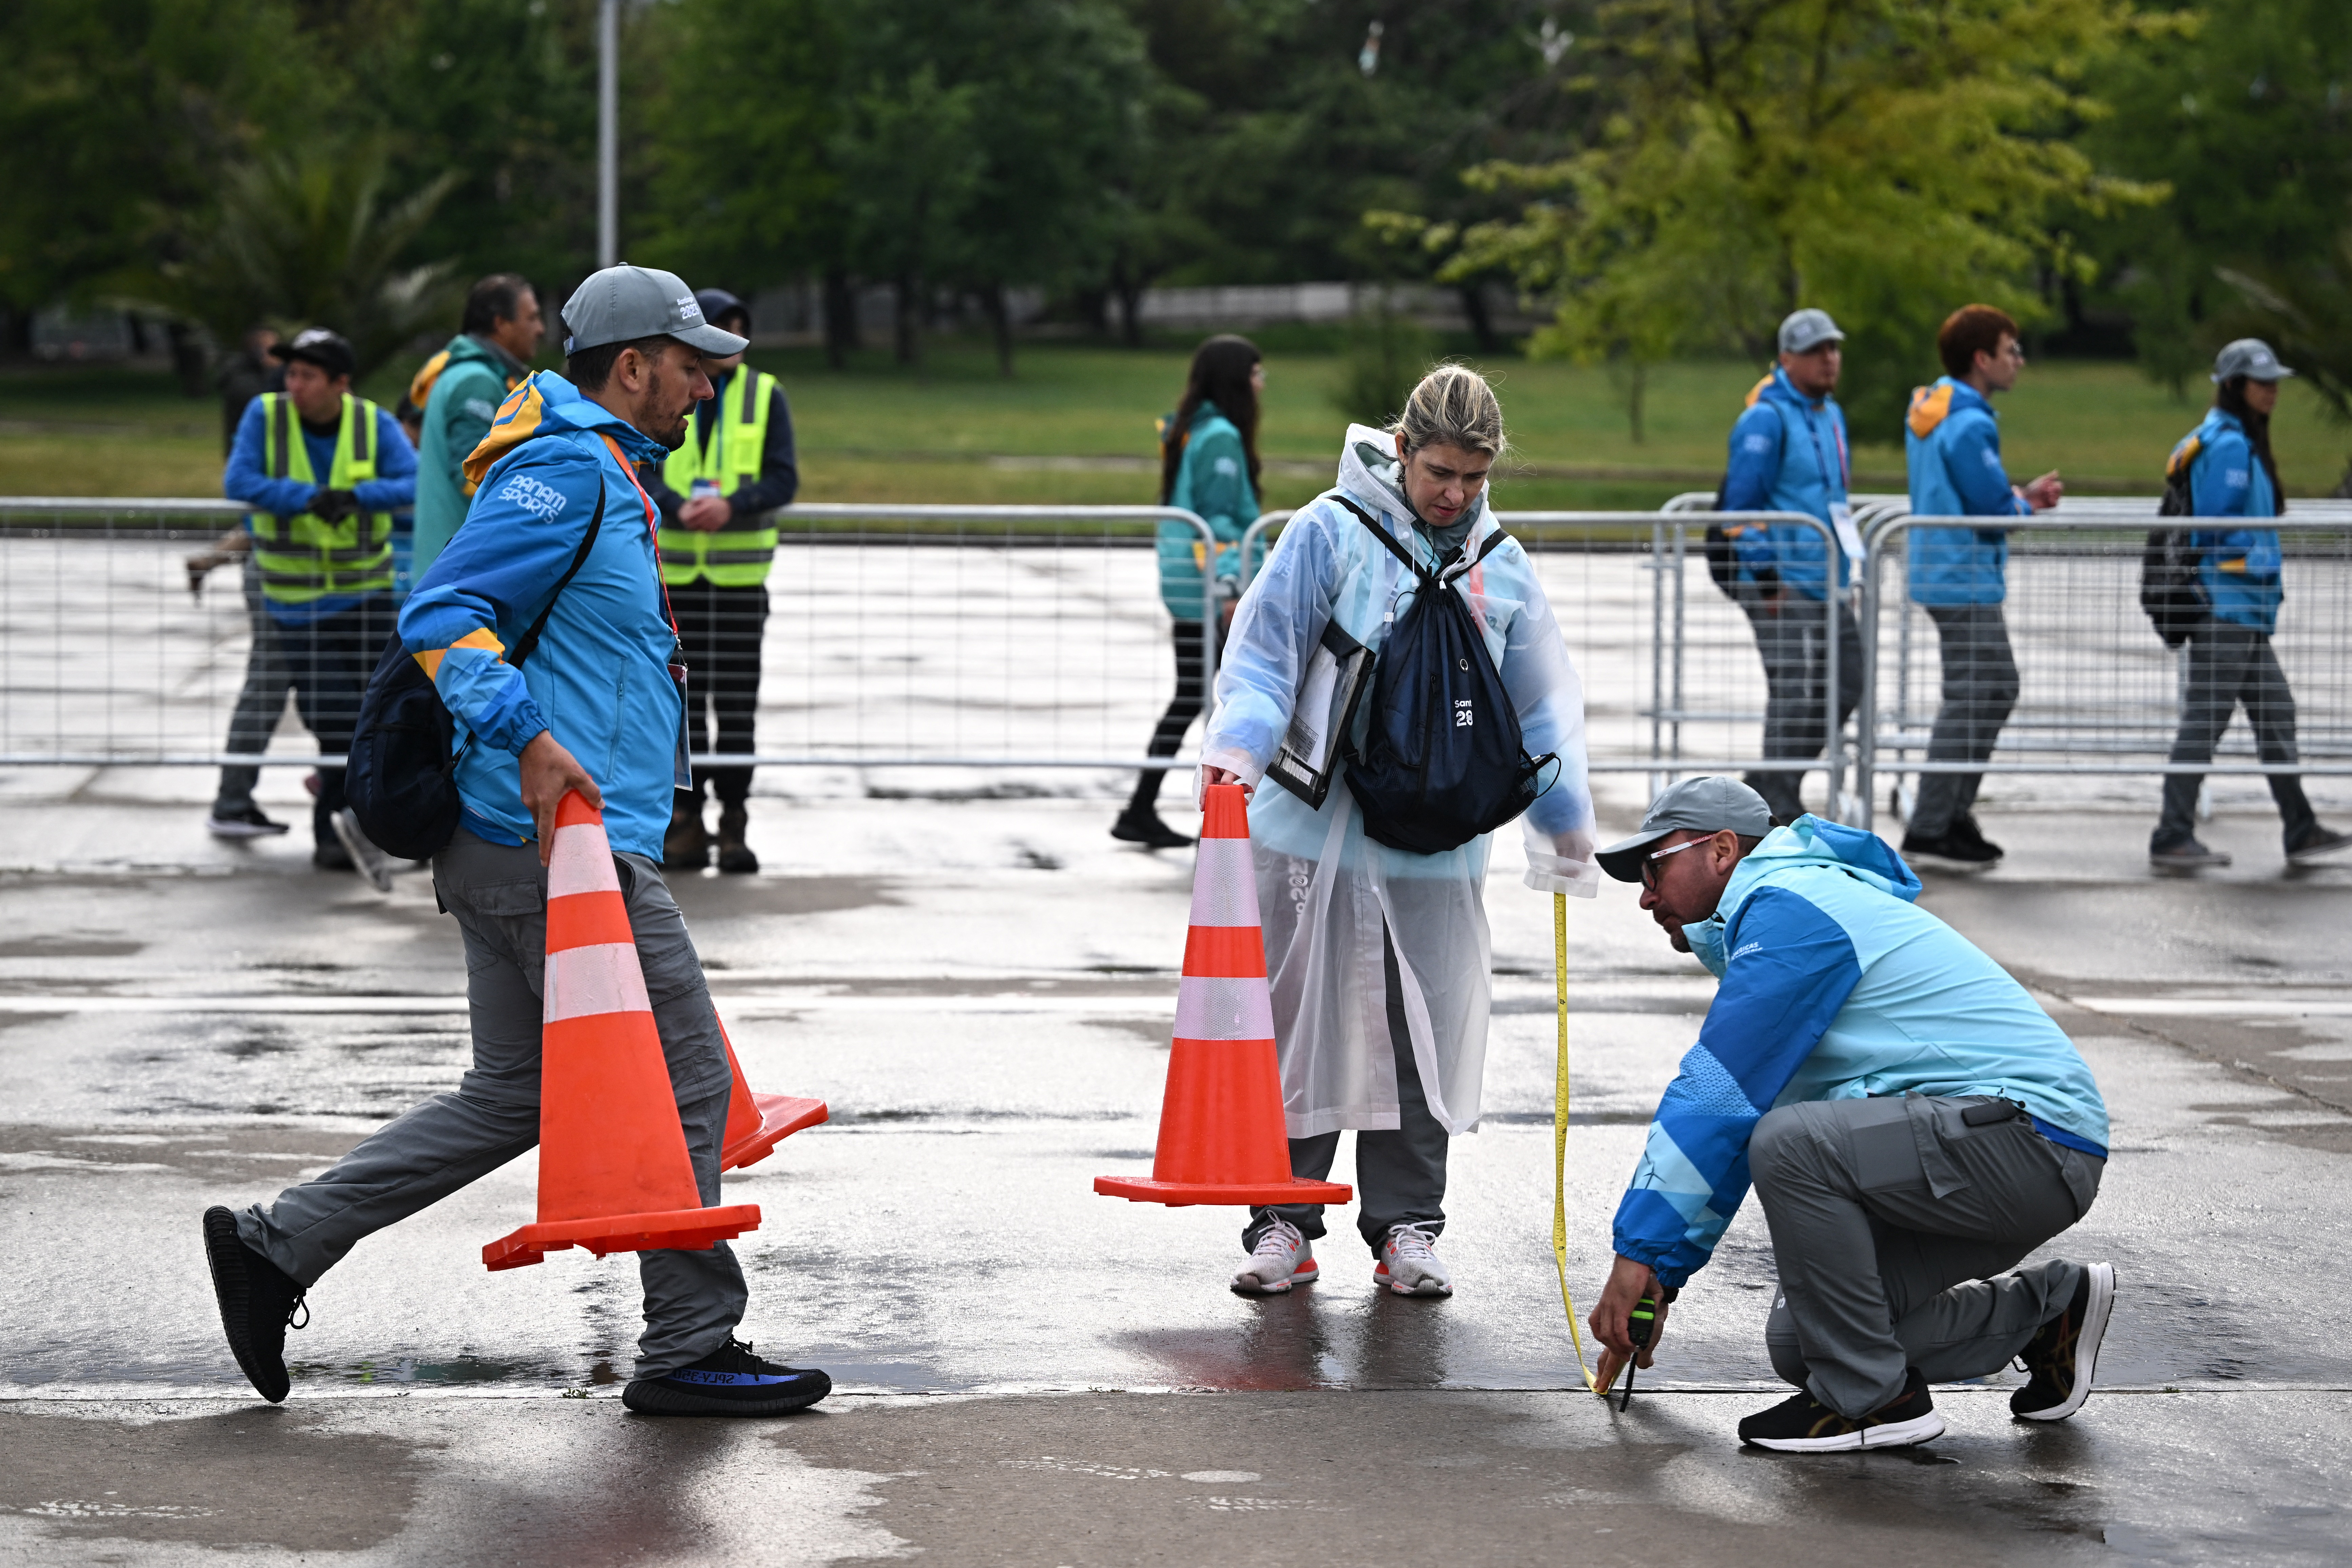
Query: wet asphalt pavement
<point x="982" y="991"/>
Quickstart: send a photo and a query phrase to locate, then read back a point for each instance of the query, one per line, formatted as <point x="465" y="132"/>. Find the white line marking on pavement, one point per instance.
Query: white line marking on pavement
<point x="733" y="1006"/>
<point x="2216" y="1007"/>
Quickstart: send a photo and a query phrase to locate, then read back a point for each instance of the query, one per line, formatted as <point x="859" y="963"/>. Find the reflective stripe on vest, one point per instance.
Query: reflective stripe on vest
<point x="735" y="556"/>
<point x="306" y="558"/>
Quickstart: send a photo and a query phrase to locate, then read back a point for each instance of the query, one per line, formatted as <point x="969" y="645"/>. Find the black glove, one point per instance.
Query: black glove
<point x="334" y="506"/>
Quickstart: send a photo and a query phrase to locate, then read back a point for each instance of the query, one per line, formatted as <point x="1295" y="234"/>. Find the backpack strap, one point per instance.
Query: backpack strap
<point x="529" y="642"/>
<point x="1420" y="574"/>
<point x="1461" y="567"/>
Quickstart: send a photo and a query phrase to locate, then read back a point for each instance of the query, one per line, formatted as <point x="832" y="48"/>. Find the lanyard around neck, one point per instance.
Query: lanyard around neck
<point x="653" y="526"/>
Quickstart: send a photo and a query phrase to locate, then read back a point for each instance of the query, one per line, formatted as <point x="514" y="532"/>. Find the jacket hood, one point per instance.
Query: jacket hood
<point x="547" y="404"/>
<point x="1807" y="841"/>
<point x="1371" y="473"/>
<point x="1931" y="405"/>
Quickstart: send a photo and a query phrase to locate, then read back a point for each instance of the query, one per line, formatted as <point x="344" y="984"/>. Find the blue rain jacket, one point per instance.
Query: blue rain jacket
<point x="1835" y="987"/>
<point x="2240" y="566"/>
<point x="1788" y="453"/>
<point x="244" y="478"/>
<point x="1214" y="482"/>
<point x="1951" y="443"/>
<point x="600" y="678"/>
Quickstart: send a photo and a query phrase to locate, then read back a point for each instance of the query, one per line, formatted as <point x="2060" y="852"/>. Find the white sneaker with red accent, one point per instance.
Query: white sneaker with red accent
<point x="1409" y="1265"/>
<point x="1283" y="1257"/>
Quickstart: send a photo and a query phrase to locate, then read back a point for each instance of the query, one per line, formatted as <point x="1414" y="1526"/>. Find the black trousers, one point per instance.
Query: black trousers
<point x="1979" y="689"/>
<point x="1792" y="639"/>
<point x="722" y="628"/>
<point x="328" y="662"/>
<point x="1182" y="709"/>
<point x="2230" y="665"/>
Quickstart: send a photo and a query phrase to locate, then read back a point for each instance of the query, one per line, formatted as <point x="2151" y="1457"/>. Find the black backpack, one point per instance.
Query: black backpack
<point x="400" y="779"/>
<point x="1443" y="760"/>
<point x="2172" y="591"/>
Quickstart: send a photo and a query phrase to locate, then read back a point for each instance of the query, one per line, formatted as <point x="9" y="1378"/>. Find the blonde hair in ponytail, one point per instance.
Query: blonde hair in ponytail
<point x="1453" y="406"/>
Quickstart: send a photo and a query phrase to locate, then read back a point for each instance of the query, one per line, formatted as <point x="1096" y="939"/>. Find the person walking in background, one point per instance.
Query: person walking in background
<point x="1379" y="958"/>
<point x="1952" y="450"/>
<point x="324" y="470"/>
<point x="1789" y="454"/>
<point x="719" y="496"/>
<point x="459" y="391"/>
<point x="1209" y="466"/>
<point x="2232" y="474"/>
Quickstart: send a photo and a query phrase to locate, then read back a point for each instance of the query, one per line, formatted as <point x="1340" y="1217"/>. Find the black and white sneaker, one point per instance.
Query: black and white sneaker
<point x="1950" y="851"/>
<point x="370" y="861"/>
<point x="258" y="1302"/>
<point x="2189" y="854"/>
<point x="1803" y="1425"/>
<point x="729" y="1380"/>
<point x="249" y="823"/>
<point x="2064" y="1353"/>
<point x="2317" y="844"/>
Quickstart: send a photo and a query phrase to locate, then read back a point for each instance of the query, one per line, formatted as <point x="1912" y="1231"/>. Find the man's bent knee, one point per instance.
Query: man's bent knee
<point x="1775" y="1146"/>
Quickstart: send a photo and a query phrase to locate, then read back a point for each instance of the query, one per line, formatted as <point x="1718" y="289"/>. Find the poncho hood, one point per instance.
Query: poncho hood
<point x="1807" y="841"/>
<point x="1372" y="475"/>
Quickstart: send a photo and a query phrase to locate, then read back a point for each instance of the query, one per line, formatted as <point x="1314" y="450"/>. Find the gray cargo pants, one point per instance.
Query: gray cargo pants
<point x="259" y="700"/>
<point x="498" y="893"/>
<point x="1893" y="1223"/>
<point x="1980" y="686"/>
<point x="1793" y="640"/>
<point x="2230" y="666"/>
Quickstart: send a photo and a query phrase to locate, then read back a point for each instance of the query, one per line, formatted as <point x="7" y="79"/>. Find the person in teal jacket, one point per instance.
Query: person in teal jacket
<point x="1913" y="1122"/>
<point x="1209" y="466"/>
<point x="1952" y="448"/>
<point x="2232" y="475"/>
<point x="459" y="390"/>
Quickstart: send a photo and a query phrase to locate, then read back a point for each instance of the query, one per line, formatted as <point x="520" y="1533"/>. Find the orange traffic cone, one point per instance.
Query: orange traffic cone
<point x="614" y="1175"/>
<point x="756" y="1124"/>
<point x="1221" y="1130"/>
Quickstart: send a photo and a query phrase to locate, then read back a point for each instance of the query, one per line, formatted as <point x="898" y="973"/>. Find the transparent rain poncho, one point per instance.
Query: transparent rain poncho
<point x="1325" y="889"/>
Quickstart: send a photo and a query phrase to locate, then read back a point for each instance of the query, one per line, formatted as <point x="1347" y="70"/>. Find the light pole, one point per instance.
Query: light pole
<point x="608" y="133"/>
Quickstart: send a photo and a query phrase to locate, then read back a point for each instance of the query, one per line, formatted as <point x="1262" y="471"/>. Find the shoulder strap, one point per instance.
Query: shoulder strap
<point x="530" y="642"/>
<point x="1495" y="541"/>
<point x="1421" y="572"/>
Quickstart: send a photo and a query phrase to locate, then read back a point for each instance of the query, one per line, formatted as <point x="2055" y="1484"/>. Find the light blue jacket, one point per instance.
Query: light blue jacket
<point x="2239" y="567"/>
<point x="600" y="678"/>
<point x="1951" y="443"/>
<point x="1212" y="480"/>
<point x="1835" y="987"/>
<point x="1788" y="453"/>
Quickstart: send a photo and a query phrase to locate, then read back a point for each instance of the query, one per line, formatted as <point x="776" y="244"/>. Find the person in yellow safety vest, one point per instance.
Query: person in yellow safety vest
<point x="719" y="494"/>
<point x="324" y="472"/>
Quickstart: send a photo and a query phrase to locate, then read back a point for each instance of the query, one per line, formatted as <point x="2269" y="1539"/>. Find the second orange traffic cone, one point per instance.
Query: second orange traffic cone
<point x="756" y="1122"/>
<point x="614" y="1173"/>
<point x="1221" y="1138"/>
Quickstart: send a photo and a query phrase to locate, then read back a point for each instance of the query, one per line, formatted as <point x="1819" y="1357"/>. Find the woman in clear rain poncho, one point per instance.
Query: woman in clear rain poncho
<point x="1379" y="958"/>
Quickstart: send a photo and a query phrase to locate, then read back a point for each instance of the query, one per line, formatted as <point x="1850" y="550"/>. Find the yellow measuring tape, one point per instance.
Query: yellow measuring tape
<point x="1559" y="1131"/>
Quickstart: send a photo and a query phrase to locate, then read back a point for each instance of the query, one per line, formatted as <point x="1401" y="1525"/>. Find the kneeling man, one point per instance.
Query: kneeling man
<point x="1913" y="1122"/>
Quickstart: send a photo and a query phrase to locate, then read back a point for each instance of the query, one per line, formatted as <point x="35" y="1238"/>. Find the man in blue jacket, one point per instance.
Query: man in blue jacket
<point x="597" y="710"/>
<point x="1789" y="454"/>
<point x="1952" y="444"/>
<point x="1913" y="1123"/>
<point x="2232" y="474"/>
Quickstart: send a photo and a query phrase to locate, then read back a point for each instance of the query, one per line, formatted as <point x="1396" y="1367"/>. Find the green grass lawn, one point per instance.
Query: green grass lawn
<point x="955" y="431"/>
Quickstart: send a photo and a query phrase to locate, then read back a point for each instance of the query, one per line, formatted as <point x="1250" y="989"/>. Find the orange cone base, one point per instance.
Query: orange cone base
<point x="685" y="1230"/>
<point x="781" y="1116"/>
<point x="1181" y="1194"/>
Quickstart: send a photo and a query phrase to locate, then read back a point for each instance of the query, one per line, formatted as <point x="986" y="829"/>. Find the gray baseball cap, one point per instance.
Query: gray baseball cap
<point x="2249" y="357"/>
<point x="1808" y="329"/>
<point x="1708" y="805"/>
<point x="622" y="304"/>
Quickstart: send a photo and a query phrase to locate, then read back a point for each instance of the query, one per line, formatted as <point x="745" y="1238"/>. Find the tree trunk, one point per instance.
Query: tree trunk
<point x="840" y="318"/>
<point x="908" y="314"/>
<point x="1000" y="324"/>
<point x="1128" y="284"/>
<point x="1637" y="386"/>
<point x="1482" y="322"/>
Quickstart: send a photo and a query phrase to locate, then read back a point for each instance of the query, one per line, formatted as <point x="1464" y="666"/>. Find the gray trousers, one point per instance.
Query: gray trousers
<point x="1400" y="1173"/>
<point x="693" y="1300"/>
<point x="258" y="702"/>
<point x="2230" y="665"/>
<point x="1896" y="1228"/>
<point x="1792" y="639"/>
<point x="1979" y="689"/>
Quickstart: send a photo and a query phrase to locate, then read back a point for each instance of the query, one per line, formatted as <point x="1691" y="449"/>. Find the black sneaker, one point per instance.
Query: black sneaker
<point x="2317" y="844"/>
<point x="1952" y="851"/>
<point x="2064" y="1352"/>
<point x="729" y="1380"/>
<point x="248" y="822"/>
<point x="1145" y="827"/>
<point x="1803" y="1425"/>
<point x="1967" y="830"/>
<point x="2186" y="856"/>
<point x="257" y="1304"/>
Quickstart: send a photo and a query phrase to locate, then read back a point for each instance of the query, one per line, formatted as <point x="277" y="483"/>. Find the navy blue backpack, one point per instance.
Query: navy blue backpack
<point x="1443" y="760"/>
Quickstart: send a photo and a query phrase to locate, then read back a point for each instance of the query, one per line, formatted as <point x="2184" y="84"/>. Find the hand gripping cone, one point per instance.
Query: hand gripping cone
<point x="1221" y="1130"/>
<point x="756" y="1124"/>
<point x="614" y="1175"/>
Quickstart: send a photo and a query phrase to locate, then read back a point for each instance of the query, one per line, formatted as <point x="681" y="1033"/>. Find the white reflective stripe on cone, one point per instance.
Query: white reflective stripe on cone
<point x="1225" y="883"/>
<point x="582" y="862"/>
<point x="581" y="981"/>
<point x="1224" y="1009"/>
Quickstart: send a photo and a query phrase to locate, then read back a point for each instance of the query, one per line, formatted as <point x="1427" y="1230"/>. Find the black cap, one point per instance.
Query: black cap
<point x="317" y="345"/>
<point x="717" y="304"/>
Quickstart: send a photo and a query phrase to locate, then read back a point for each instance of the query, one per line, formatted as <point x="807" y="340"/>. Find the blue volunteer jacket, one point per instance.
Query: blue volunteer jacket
<point x="2239" y="567"/>
<point x="1788" y="453"/>
<point x="600" y="678"/>
<point x="1951" y="443"/>
<point x="1835" y="987"/>
<point x="1212" y="483"/>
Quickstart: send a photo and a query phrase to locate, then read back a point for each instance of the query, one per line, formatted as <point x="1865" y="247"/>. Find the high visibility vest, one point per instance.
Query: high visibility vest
<point x="737" y="556"/>
<point x="306" y="558"/>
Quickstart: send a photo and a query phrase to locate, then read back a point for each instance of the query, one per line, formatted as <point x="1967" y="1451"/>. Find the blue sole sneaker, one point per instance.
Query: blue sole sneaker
<point x="729" y="1380"/>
